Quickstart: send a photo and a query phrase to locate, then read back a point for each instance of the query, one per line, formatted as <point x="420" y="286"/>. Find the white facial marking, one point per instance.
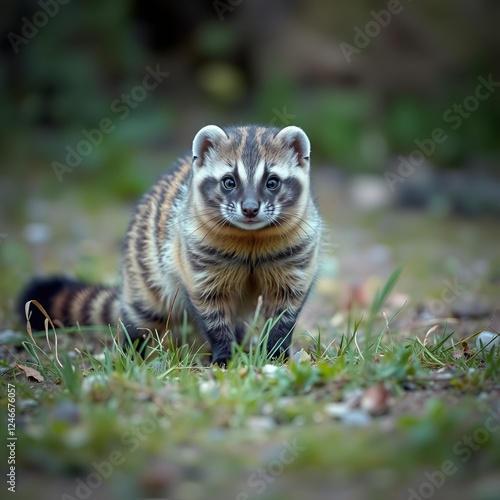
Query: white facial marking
<point x="242" y="173"/>
<point x="259" y="172"/>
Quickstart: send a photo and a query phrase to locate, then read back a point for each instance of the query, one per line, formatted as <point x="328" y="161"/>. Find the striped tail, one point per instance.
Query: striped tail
<point x="70" y="302"/>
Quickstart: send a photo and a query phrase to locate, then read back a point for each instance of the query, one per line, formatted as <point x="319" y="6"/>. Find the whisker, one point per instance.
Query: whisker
<point x="275" y="222"/>
<point x="294" y="228"/>
<point x="223" y="221"/>
<point x="293" y="214"/>
<point x="301" y="238"/>
<point x="199" y="227"/>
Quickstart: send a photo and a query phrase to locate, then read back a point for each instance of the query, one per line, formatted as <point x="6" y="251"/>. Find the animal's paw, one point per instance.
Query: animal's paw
<point x="220" y="360"/>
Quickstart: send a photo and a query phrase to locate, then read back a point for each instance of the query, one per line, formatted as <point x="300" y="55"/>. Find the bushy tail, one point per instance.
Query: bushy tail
<point x="69" y="302"/>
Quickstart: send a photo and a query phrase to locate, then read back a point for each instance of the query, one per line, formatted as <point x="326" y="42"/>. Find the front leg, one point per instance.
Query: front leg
<point x="214" y="318"/>
<point x="284" y="307"/>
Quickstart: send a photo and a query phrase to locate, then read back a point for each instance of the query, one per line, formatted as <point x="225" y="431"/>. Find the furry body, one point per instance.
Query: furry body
<point x="231" y="223"/>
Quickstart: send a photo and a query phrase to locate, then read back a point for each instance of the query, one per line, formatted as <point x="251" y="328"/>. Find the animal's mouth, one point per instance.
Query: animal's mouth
<point x="251" y="223"/>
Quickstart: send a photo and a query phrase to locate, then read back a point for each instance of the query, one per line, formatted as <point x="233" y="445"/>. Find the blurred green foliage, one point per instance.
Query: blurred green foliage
<point x="264" y="63"/>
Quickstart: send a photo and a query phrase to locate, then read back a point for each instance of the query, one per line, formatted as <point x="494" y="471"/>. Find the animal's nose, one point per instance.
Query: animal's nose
<point x="250" y="208"/>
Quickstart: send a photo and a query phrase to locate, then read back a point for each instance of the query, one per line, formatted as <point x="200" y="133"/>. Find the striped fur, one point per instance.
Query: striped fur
<point x="69" y="302"/>
<point x="215" y="245"/>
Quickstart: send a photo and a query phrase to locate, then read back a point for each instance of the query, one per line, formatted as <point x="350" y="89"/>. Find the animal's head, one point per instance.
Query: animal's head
<point x="253" y="177"/>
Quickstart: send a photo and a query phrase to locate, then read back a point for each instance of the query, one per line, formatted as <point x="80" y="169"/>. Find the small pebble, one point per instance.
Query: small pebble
<point x="26" y="404"/>
<point x="357" y="418"/>
<point x="8" y="336"/>
<point x="272" y="371"/>
<point x="348" y="416"/>
<point x="261" y="423"/>
<point x="409" y="386"/>
<point x="209" y="388"/>
<point x="66" y="411"/>
<point x="336" y="410"/>
<point x="484" y="339"/>
<point x="299" y="420"/>
<point x="36" y="233"/>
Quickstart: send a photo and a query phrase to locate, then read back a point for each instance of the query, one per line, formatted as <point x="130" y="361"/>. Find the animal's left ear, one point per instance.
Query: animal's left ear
<point x="297" y="139"/>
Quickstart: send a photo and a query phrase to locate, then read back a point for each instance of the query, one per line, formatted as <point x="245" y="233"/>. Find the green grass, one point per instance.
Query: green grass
<point x="182" y="429"/>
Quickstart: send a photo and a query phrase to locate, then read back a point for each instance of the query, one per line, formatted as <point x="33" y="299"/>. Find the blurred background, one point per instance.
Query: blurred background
<point x="401" y="102"/>
<point x="399" y="99"/>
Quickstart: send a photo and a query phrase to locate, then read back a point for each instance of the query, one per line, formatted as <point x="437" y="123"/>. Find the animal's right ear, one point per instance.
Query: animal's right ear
<point x="208" y="137"/>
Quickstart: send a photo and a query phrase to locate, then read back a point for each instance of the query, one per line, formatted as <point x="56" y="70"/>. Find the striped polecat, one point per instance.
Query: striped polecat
<point x="234" y="222"/>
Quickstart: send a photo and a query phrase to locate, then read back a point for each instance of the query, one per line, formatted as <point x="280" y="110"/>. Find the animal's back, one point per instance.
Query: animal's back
<point x="150" y="278"/>
<point x="70" y="302"/>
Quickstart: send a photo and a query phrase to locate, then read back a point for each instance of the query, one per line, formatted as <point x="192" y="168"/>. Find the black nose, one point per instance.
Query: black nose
<point x="250" y="208"/>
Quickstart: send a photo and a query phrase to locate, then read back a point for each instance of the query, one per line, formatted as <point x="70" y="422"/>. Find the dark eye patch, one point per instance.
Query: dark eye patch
<point x="290" y="192"/>
<point x="209" y="191"/>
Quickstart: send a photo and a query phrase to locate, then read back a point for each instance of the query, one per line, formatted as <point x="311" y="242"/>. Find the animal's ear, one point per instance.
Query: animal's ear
<point x="208" y="137"/>
<point x="297" y="139"/>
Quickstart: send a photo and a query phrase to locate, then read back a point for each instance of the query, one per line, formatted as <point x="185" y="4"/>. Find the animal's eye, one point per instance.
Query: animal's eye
<point x="228" y="183"/>
<point x="273" y="183"/>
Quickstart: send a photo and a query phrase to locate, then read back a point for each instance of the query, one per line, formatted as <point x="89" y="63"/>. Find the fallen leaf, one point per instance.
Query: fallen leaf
<point x="468" y="352"/>
<point x="301" y="357"/>
<point x="30" y="373"/>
